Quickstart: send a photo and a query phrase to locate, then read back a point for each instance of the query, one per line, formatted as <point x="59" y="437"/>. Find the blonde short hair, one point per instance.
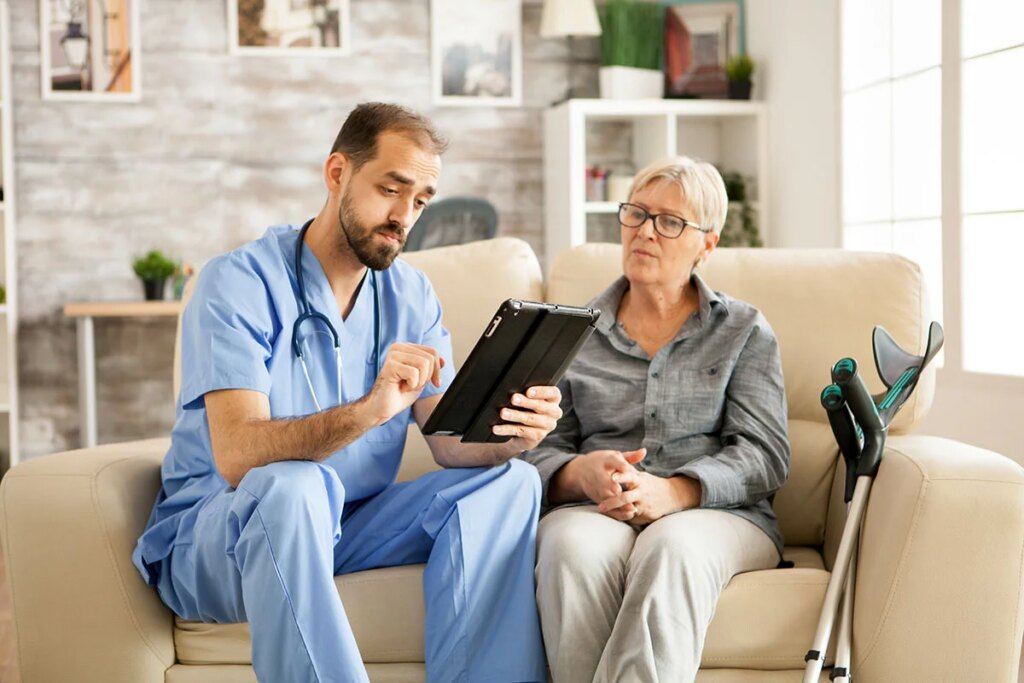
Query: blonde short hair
<point x="700" y="182"/>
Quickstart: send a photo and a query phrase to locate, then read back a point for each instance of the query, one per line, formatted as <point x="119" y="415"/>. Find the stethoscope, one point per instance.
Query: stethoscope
<point x="306" y="312"/>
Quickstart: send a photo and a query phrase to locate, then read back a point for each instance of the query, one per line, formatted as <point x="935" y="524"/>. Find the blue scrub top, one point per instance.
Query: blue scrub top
<point x="237" y="334"/>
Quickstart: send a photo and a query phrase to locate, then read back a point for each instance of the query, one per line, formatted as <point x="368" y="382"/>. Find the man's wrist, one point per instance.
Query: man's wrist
<point x="363" y="414"/>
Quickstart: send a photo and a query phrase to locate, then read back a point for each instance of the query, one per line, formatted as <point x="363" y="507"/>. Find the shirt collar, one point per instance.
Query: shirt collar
<point x="608" y="303"/>
<point x="707" y="297"/>
<point x="609" y="300"/>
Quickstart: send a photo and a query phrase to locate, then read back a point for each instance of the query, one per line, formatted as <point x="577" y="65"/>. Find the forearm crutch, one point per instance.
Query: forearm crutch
<point x="849" y="439"/>
<point x="848" y="398"/>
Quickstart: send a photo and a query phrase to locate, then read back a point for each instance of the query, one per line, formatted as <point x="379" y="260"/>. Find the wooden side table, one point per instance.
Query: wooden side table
<point x="84" y="312"/>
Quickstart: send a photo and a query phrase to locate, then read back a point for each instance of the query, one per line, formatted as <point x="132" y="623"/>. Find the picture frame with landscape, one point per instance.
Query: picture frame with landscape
<point x="700" y="38"/>
<point x="288" y="27"/>
<point x="476" y="52"/>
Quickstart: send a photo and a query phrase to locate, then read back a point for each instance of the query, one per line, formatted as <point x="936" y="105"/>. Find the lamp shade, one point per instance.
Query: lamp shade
<point x="569" y="18"/>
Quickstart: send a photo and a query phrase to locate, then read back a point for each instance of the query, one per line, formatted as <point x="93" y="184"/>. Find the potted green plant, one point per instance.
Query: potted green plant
<point x="738" y="70"/>
<point x="153" y="269"/>
<point x="632" y="36"/>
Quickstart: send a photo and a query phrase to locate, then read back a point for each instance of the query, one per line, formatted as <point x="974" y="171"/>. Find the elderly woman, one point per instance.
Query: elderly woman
<point x="662" y="471"/>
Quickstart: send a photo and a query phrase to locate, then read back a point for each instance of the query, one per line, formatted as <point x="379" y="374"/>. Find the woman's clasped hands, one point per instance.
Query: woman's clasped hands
<point x="610" y="479"/>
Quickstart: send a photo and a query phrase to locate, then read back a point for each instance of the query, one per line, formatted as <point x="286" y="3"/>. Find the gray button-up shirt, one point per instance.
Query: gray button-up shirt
<point x="710" y="405"/>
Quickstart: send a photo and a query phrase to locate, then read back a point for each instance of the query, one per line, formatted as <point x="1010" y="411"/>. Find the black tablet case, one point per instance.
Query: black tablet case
<point x="526" y="344"/>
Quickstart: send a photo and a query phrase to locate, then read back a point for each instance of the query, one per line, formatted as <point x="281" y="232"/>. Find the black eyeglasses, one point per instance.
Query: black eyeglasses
<point x="666" y="224"/>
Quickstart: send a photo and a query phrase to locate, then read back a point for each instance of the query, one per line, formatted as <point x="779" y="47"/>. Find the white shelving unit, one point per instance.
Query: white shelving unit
<point x="8" y="268"/>
<point x="630" y="134"/>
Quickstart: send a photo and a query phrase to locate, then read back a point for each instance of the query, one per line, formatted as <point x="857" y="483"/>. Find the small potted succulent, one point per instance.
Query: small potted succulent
<point x="153" y="269"/>
<point x="738" y="70"/>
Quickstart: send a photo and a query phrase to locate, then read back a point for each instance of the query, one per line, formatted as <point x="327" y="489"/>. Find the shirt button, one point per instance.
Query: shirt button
<point x="654" y="413"/>
<point x="654" y="374"/>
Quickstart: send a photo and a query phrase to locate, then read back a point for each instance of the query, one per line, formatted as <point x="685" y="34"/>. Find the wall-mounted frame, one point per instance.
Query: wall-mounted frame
<point x="700" y="37"/>
<point x="476" y="51"/>
<point x="90" y="50"/>
<point x="288" y="27"/>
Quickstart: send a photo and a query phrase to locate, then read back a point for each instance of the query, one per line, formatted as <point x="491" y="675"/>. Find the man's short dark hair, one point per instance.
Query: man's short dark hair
<point x="358" y="136"/>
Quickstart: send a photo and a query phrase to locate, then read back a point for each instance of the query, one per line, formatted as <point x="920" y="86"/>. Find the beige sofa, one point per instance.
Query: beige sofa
<point x="939" y="578"/>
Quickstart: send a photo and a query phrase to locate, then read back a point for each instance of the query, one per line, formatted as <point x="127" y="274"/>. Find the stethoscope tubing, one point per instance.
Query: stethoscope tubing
<point x="307" y="312"/>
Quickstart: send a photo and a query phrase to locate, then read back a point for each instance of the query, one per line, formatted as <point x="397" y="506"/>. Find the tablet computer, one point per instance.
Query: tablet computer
<point x="526" y="344"/>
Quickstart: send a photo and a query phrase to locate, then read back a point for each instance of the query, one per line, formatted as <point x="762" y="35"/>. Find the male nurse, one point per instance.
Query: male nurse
<point x="305" y="356"/>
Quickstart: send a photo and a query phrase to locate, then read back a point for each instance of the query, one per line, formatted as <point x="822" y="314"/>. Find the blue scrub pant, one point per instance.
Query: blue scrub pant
<point x="267" y="553"/>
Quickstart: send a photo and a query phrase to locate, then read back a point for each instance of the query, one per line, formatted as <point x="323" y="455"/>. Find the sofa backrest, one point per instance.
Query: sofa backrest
<point x="822" y="304"/>
<point x="472" y="279"/>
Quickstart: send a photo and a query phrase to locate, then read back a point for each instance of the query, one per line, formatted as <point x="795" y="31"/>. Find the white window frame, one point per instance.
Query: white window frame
<point x="953" y="376"/>
<point x="952" y="212"/>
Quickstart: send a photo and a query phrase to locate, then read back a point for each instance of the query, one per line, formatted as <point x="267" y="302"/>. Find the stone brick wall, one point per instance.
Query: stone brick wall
<point x="219" y="148"/>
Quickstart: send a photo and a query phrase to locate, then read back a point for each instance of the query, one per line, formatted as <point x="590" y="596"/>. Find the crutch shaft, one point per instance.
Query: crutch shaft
<point x="816" y="656"/>
<point x="841" y="670"/>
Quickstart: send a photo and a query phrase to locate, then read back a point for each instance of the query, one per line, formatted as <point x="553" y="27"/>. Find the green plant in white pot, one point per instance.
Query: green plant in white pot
<point x="632" y="34"/>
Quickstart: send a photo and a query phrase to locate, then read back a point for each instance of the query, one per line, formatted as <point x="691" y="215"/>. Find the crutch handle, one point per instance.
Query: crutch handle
<point x="864" y="412"/>
<point x="845" y="431"/>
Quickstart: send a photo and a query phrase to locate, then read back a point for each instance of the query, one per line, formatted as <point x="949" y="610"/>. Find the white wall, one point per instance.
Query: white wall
<point x="220" y="147"/>
<point x="795" y="45"/>
<point x="986" y="412"/>
<point x="983" y="410"/>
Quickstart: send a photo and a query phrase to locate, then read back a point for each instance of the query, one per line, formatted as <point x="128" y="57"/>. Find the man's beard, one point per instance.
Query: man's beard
<point x="361" y="240"/>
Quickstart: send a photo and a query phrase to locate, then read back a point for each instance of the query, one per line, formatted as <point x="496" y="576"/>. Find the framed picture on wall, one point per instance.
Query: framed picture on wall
<point x="700" y="36"/>
<point x="89" y="50"/>
<point x="288" y="27"/>
<point x="476" y="52"/>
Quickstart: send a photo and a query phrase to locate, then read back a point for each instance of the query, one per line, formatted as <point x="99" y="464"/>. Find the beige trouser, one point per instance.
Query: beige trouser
<point x="617" y="605"/>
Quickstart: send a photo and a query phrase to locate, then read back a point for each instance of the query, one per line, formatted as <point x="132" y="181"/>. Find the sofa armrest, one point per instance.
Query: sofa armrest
<point x="939" y="588"/>
<point x="68" y="525"/>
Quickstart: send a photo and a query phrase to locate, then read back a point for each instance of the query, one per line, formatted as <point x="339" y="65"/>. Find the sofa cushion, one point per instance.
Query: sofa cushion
<point x="384" y="607"/>
<point x="414" y="673"/>
<point x="410" y="672"/>
<point x="801" y="505"/>
<point x="765" y="619"/>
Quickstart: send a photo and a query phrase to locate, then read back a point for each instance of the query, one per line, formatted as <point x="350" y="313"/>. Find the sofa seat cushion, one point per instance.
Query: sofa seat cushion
<point x="765" y="619"/>
<point x="384" y="606"/>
